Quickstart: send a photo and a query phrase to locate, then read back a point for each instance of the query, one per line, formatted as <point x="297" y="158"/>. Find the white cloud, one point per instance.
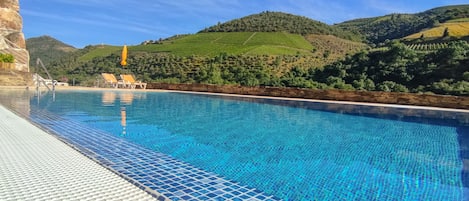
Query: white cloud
<point x="25" y="12"/>
<point x="388" y="6"/>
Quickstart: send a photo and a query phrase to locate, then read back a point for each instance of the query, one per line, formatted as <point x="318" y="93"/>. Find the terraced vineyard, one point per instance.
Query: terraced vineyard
<point x="248" y="43"/>
<point x="213" y="44"/>
<point x="421" y="47"/>
<point x="101" y="50"/>
<point x="427" y="46"/>
<point x="313" y="49"/>
<point x="331" y="47"/>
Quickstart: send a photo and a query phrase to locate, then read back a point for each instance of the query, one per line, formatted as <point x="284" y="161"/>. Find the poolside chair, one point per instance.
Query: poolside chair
<point x="130" y="80"/>
<point x="110" y="79"/>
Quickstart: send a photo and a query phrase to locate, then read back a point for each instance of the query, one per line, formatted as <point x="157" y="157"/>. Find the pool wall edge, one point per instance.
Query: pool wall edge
<point x="443" y="101"/>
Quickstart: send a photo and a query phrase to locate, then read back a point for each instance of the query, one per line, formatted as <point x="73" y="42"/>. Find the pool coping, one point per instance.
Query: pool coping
<point x="243" y="95"/>
<point x="252" y="96"/>
<point x="330" y="101"/>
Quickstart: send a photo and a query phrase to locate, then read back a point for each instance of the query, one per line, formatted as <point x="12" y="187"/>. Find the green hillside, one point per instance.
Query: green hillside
<point x="47" y="49"/>
<point x="395" y="26"/>
<point x="99" y="51"/>
<point x="320" y="49"/>
<point x="267" y="33"/>
<point x="281" y="22"/>
<point x="211" y="44"/>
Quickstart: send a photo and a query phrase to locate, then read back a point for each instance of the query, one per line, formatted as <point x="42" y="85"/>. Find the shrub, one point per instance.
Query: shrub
<point x="465" y="76"/>
<point x="391" y="86"/>
<point x="7" y="58"/>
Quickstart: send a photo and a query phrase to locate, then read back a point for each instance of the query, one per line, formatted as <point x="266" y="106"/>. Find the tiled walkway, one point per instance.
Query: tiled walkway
<point x="35" y="165"/>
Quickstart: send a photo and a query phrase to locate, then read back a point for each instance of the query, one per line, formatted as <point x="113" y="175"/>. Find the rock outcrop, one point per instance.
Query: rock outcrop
<point x="11" y="36"/>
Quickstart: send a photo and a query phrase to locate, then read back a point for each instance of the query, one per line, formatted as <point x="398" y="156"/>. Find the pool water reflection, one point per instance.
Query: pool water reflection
<point x="292" y="150"/>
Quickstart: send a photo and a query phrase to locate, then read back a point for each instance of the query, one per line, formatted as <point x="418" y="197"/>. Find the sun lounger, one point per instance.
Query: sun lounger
<point x="110" y="79"/>
<point x="130" y="81"/>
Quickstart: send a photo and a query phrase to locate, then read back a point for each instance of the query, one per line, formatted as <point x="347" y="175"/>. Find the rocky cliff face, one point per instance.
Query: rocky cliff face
<point x="11" y="36"/>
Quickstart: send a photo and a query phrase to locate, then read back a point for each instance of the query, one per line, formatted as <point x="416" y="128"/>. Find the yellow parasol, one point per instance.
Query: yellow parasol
<point x="124" y="56"/>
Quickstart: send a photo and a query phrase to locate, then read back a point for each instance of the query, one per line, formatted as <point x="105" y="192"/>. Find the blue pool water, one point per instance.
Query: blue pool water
<point x="293" y="152"/>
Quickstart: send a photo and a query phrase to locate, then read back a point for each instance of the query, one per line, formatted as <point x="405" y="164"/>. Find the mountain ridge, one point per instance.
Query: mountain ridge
<point x="396" y="26"/>
<point x="47" y="49"/>
<point x="271" y="21"/>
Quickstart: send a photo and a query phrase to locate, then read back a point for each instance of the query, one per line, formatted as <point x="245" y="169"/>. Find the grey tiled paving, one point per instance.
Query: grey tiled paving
<point x="34" y="165"/>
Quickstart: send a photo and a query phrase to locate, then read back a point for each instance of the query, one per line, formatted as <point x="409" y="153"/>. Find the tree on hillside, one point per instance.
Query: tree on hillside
<point x="445" y="32"/>
<point x="401" y="69"/>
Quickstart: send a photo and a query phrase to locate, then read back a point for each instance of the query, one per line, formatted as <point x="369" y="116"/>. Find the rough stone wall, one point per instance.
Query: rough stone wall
<point x="11" y="36"/>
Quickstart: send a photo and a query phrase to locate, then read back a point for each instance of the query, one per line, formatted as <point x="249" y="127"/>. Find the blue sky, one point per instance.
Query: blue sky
<point x="118" y="22"/>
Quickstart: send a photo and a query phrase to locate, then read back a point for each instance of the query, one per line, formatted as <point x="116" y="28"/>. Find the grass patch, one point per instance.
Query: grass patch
<point x="211" y="44"/>
<point x="101" y="50"/>
<point x="322" y="48"/>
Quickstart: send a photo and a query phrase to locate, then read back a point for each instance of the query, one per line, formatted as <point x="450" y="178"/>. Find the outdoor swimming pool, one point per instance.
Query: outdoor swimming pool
<point x="268" y="149"/>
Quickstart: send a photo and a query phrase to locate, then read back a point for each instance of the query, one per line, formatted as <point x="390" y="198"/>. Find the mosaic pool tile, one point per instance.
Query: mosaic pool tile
<point x="156" y="173"/>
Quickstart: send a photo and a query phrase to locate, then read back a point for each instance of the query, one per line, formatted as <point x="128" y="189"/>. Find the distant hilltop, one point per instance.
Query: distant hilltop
<point x="47" y="48"/>
<point x="396" y="26"/>
<point x="281" y="22"/>
<point x="371" y="30"/>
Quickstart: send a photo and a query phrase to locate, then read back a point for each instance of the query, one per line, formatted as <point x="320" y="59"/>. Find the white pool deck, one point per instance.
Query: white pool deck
<point x="34" y="165"/>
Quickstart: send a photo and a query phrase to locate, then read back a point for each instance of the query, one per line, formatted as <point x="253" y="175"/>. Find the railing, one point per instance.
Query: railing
<point x="39" y="62"/>
<point x="38" y="80"/>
